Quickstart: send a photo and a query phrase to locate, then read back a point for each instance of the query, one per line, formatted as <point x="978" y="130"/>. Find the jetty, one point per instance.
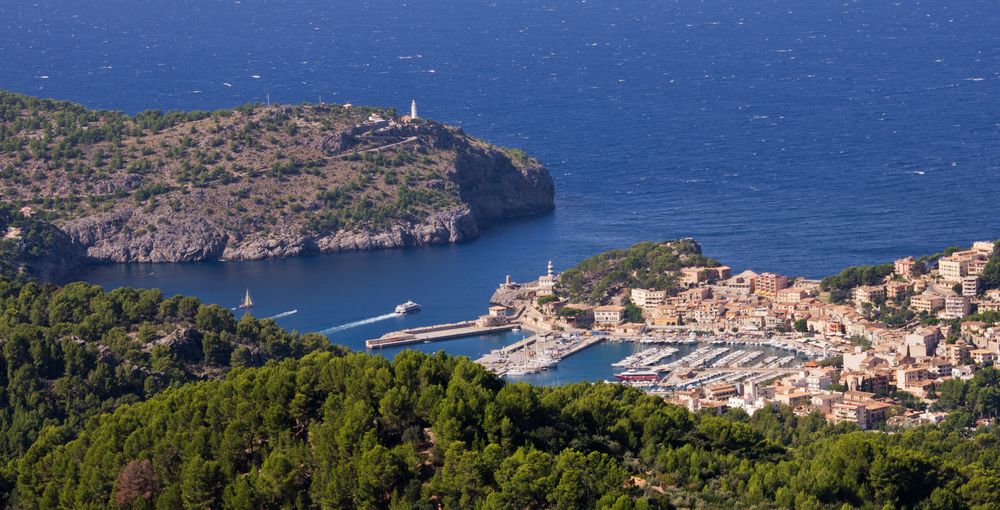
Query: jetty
<point x="536" y="353"/>
<point x="436" y="333"/>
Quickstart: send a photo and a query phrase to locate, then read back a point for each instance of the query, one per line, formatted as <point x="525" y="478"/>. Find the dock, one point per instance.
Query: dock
<point x="520" y="344"/>
<point x="435" y="333"/>
<point x="535" y="353"/>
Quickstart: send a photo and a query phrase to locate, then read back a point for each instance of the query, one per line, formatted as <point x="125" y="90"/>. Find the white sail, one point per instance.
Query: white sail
<point x="247" y="301"/>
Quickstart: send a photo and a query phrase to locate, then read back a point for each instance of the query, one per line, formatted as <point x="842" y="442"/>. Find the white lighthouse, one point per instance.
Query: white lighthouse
<point x="413" y="109"/>
<point x="547" y="281"/>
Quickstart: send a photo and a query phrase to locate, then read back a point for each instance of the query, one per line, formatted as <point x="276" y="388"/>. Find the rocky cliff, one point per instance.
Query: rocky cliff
<point x="257" y="182"/>
<point x="186" y="238"/>
<point x="34" y="248"/>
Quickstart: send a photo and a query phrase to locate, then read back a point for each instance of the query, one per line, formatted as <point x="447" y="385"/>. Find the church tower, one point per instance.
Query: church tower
<point x="413" y="109"/>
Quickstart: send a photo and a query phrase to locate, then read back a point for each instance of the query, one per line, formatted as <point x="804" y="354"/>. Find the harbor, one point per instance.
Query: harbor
<point x="540" y="351"/>
<point x="655" y="357"/>
<point x="697" y="362"/>
<point x="655" y="361"/>
<point x="535" y="354"/>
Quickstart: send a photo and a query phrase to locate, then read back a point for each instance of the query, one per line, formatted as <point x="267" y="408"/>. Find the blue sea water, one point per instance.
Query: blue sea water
<point x="791" y="136"/>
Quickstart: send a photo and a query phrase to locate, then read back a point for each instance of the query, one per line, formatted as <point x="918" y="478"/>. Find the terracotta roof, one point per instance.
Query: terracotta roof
<point x="610" y="308"/>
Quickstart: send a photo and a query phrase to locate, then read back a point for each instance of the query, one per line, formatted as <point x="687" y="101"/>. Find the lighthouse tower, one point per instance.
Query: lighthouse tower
<point x="547" y="281"/>
<point x="413" y="109"/>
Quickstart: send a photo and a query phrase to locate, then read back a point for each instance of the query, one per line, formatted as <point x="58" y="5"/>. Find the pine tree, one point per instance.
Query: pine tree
<point x="200" y="484"/>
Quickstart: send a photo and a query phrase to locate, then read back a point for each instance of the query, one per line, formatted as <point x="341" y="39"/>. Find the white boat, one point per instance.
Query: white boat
<point x="247" y="302"/>
<point x="407" y="307"/>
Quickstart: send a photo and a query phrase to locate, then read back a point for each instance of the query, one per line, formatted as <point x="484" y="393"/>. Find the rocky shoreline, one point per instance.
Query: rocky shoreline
<point x="492" y="189"/>
<point x="193" y="240"/>
<point x="83" y="246"/>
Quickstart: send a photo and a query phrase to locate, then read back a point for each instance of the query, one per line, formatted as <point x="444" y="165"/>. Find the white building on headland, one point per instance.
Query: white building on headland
<point x="547" y="282"/>
<point x="647" y="298"/>
<point x="413" y="109"/>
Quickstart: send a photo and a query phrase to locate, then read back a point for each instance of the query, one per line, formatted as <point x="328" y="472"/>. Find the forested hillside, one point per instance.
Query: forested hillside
<point x="645" y="265"/>
<point x="421" y="431"/>
<point x="128" y="399"/>
<point x="74" y="352"/>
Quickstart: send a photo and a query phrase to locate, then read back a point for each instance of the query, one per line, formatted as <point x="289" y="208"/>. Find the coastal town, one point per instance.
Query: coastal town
<point x="869" y="346"/>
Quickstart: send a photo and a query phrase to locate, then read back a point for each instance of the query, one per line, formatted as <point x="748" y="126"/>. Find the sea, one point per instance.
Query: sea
<point x="789" y="136"/>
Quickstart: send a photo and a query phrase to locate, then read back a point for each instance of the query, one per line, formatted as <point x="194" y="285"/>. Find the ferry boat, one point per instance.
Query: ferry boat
<point x="639" y="375"/>
<point x="407" y="307"/>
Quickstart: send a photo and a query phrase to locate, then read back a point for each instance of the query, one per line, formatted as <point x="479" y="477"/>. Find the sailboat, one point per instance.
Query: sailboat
<point x="247" y="302"/>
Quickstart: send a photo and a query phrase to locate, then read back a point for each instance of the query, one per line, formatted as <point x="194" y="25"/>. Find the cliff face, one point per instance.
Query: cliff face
<point x="35" y="248"/>
<point x="109" y="238"/>
<point x="265" y="182"/>
<point x="496" y="189"/>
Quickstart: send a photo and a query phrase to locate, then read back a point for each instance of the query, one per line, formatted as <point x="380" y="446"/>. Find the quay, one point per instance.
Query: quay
<point x="436" y="333"/>
<point x="536" y="353"/>
<point x="520" y="344"/>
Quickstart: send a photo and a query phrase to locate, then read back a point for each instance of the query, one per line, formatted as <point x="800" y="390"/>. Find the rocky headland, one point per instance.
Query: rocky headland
<point x="257" y="181"/>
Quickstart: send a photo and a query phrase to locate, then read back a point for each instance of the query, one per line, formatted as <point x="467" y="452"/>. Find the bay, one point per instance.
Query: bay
<point x="784" y="136"/>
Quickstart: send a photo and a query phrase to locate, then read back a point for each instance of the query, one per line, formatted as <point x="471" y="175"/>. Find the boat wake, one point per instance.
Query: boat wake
<point x="282" y="314"/>
<point x="362" y="322"/>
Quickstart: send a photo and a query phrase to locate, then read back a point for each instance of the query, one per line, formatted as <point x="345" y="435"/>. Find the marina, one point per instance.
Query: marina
<point x="657" y="361"/>
<point x="646" y="358"/>
<point x="536" y="354"/>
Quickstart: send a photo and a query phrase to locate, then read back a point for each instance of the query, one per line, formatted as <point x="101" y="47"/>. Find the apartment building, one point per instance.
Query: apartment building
<point x="983" y="356"/>
<point x="872" y="294"/>
<point x="970" y="286"/>
<point x="790" y="295"/>
<point x="905" y="267"/>
<point x="927" y="302"/>
<point x="984" y="248"/>
<point x="956" y="307"/>
<point x="648" y="298"/>
<point x="865" y="414"/>
<point x="609" y="314"/>
<point x="743" y="283"/>
<point x="691" y="276"/>
<point x="896" y="290"/>
<point x="953" y="269"/>
<point x="768" y="284"/>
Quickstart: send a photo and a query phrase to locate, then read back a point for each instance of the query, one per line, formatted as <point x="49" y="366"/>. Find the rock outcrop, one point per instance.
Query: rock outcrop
<point x="115" y="237"/>
<point x="35" y="248"/>
<point x="508" y="297"/>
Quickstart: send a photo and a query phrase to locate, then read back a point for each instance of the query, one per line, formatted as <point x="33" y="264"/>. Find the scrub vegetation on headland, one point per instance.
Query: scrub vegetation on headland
<point x="644" y="265"/>
<point x="255" y="181"/>
<point x="128" y="399"/>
